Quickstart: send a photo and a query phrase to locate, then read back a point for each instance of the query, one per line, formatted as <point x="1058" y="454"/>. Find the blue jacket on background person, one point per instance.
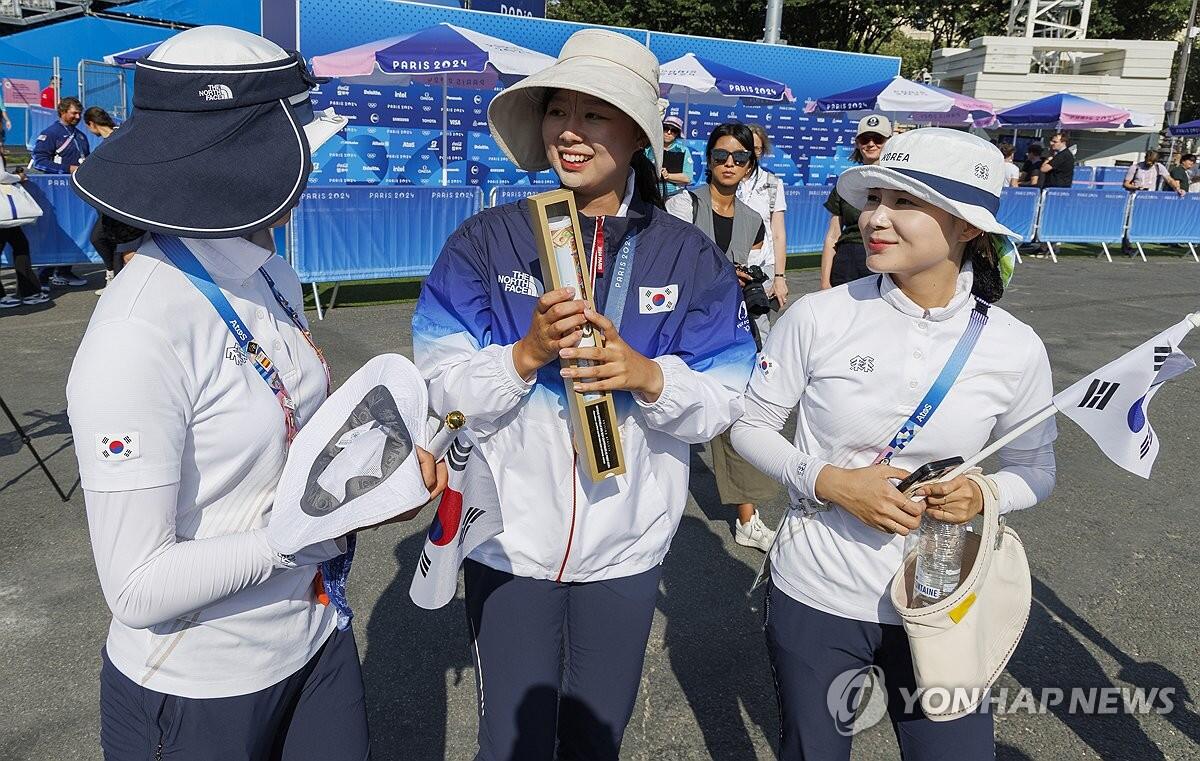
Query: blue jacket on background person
<point x="58" y="148"/>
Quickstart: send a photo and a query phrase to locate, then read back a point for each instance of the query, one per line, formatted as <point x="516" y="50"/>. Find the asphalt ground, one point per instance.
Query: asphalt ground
<point x="1114" y="564"/>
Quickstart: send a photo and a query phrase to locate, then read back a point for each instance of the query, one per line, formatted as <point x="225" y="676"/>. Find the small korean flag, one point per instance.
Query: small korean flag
<point x="118" y="447"/>
<point x="655" y="300"/>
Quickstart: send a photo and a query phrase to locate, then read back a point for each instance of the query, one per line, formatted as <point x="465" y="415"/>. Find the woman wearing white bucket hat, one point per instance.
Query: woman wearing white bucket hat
<point x="220" y="646"/>
<point x="922" y="337"/>
<point x="487" y="337"/>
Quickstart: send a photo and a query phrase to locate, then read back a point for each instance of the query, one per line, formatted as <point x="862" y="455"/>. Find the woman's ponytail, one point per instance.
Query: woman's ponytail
<point x="983" y="251"/>
<point x="645" y="180"/>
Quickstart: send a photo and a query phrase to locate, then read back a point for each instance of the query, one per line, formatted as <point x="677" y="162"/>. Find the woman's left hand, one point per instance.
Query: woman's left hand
<point x="955" y="501"/>
<point x="780" y="291"/>
<point x="618" y="366"/>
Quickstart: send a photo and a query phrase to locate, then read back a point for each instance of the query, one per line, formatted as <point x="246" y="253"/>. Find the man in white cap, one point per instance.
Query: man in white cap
<point x="678" y="170"/>
<point x="843" y="257"/>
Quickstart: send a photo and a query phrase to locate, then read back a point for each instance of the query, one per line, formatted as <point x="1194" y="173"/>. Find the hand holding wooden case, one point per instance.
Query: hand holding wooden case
<point x="593" y="415"/>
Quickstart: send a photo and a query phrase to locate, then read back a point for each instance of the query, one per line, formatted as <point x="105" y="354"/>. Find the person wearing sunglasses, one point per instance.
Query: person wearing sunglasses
<point x="763" y="190"/>
<point x="738" y="230"/>
<point x="843" y="257"/>
<point x="677" y="171"/>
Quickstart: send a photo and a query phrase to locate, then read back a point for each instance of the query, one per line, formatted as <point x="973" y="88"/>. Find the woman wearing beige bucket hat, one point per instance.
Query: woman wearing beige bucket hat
<point x="922" y="336"/>
<point x="577" y="554"/>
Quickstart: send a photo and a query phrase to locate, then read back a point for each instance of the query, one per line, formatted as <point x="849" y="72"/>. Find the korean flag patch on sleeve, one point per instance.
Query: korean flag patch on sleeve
<point x="655" y="300"/>
<point x="118" y="447"/>
<point x="766" y="366"/>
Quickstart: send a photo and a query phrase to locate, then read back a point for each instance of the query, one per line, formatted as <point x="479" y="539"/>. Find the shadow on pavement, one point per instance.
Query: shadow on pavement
<point x="37" y="423"/>
<point x="1009" y="753"/>
<point x="1050" y="656"/>
<point x="411" y="653"/>
<point x="714" y="633"/>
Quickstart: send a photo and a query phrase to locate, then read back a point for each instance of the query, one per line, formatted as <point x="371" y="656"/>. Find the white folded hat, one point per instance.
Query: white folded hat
<point x="354" y="463"/>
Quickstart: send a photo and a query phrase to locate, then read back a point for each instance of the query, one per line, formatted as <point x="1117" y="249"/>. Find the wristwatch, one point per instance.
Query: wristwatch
<point x="779" y="274"/>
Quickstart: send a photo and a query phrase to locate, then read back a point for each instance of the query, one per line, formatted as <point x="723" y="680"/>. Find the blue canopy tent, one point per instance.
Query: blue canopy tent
<point x="1065" y="110"/>
<point x="905" y="100"/>
<point x="443" y="52"/>
<point x="1187" y="129"/>
<point x="128" y="57"/>
<point x="700" y="80"/>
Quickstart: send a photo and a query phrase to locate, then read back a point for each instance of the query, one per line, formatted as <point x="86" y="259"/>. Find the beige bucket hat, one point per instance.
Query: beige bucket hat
<point x="606" y="65"/>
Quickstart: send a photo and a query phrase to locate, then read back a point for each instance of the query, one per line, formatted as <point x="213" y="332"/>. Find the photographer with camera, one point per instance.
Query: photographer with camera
<point x="737" y="229"/>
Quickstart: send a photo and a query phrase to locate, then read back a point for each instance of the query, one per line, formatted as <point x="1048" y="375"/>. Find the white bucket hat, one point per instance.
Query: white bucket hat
<point x="955" y="171"/>
<point x="606" y="65"/>
<point x="353" y="463"/>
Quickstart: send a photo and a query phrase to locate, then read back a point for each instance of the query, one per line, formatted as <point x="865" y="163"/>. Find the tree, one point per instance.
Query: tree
<point x="875" y="26"/>
<point x="736" y="20"/>
<point x="913" y="53"/>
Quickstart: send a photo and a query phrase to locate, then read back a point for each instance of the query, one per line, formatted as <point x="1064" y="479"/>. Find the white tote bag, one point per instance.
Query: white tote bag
<point x="17" y="207"/>
<point x="962" y="643"/>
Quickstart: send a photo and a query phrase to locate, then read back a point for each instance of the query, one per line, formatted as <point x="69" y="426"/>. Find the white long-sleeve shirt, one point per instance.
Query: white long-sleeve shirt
<point x="855" y="361"/>
<point x="180" y="446"/>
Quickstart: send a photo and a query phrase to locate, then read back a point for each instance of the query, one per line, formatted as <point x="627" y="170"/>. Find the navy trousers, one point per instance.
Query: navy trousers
<point x="556" y="662"/>
<point x="813" y="651"/>
<point x="317" y="714"/>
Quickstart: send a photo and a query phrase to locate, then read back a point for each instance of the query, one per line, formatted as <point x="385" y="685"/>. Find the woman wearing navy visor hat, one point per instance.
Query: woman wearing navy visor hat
<point x="858" y="362"/>
<point x="560" y="603"/>
<point x="220" y="647"/>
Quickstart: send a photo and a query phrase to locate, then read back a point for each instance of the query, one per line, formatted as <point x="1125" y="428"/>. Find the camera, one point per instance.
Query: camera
<point x="753" y="292"/>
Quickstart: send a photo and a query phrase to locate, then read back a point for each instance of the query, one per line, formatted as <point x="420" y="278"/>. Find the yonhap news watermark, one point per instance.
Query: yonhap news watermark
<point x="858" y="699"/>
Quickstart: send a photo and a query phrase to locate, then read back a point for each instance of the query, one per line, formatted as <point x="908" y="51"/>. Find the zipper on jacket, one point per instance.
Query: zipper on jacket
<point x="571" y="534"/>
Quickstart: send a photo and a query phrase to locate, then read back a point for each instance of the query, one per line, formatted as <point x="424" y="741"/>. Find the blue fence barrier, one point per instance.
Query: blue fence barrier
<point x="1018" y="210"/>
<point x="61" y="235"/>
<point x="1084" y="177"/>
<point x="359" y="232"/>
<point x="1164" y="218"/>
<point x="1083" y="216"/>
<point x="502" y="194"/>
<point x="1111" y="175"/>
<point x="806" y="218"/>
<point x="365" y="233"/>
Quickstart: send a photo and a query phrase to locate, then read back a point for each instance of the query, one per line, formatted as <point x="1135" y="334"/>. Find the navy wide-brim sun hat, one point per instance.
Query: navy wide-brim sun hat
<point x="220" y="141"/>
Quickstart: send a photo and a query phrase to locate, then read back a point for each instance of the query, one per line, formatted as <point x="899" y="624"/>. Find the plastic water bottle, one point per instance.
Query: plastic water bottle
<point x="939" y="561"/>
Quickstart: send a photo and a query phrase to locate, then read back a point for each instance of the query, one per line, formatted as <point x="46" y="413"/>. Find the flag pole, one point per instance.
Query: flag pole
<point x="1034" y="420"/>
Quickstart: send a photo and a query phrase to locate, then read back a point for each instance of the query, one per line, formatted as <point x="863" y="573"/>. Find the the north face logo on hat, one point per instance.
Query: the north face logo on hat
<point x="217" y="92"/>
<point x="981" y="171"/>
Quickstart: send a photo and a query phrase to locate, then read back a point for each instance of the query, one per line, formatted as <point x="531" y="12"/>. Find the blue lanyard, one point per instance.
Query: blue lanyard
<point x="941" y="386"/>
<point x="333" y="573"/>
<point x="618" y="289"/>
<point x="187" y="263"/>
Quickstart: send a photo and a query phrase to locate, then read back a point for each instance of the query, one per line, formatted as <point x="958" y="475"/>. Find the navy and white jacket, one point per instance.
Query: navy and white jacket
<point x="69" y="144"/>
<point x="479" y="300"/>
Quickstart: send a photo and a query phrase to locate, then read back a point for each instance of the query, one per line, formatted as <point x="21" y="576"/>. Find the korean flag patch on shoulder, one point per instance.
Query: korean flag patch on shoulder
<point x="655" y="300"/>
<point x="118" y="447"/>
<point x="766" y="366"/>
